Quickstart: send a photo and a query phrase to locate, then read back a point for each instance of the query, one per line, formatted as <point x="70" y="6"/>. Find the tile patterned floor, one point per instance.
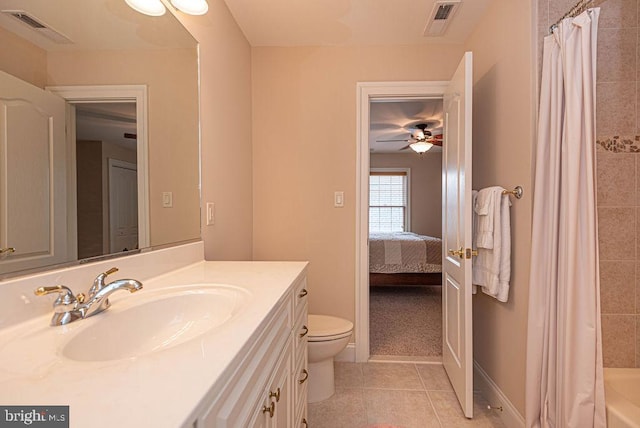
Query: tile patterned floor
<point x="395" y="395"/>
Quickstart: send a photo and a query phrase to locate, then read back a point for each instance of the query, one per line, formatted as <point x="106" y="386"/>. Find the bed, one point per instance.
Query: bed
<point x="404" y="258"/>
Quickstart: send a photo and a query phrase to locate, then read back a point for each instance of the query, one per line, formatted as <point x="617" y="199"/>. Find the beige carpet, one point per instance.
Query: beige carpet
<point x="405" y="321"/>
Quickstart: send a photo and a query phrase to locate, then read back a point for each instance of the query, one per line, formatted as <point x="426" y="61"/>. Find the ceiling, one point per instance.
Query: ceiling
<point x="348" y="22"/>
<point x="107" y="122"/>
<point x="395" y="120"/>
<point x="95" y="24"/>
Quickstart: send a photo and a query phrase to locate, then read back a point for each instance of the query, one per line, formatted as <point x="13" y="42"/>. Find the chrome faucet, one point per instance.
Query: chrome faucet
<point x="68" y="308"/>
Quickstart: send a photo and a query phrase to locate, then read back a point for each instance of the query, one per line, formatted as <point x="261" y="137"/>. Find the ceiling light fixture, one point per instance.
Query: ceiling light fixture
<point x="147" y="7"/>
<point x="191" y="7"/>
<point x="157" y="8"/>
<point x="421" y="146"/>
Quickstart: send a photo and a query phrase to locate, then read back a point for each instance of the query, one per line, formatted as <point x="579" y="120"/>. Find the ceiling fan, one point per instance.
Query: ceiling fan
<point x="421" y="139"/>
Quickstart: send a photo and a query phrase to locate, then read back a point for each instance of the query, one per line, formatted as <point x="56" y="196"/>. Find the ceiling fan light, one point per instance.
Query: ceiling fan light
<point x="191" y="7"/>
<point x="421" y="147"/>
<point x="147" y="7"/>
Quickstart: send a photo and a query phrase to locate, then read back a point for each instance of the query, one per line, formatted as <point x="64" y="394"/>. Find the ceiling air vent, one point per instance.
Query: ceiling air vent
<point x="38" y="26"/>
<point x="440" y="17"/>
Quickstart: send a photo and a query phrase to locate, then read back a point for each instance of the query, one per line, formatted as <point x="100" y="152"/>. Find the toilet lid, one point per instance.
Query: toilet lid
<point x="325" y="325"/>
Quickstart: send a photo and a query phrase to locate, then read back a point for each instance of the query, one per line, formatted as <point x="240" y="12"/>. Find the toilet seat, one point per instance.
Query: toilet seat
<point x="324" y="328"/>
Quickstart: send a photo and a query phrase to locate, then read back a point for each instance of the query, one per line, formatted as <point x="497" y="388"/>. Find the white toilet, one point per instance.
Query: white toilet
<point x="327" y="337"/>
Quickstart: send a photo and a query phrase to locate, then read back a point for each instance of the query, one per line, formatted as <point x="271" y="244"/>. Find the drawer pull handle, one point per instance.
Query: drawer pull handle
<point x="306" y="376"/>
<point x="303" y="293"/>
<point x="7" y="250"/>
<point x="304" y="421"/>
<point x="275" y="395"/>
<point x="270" y="409"/>
<point x="306" y="330"/>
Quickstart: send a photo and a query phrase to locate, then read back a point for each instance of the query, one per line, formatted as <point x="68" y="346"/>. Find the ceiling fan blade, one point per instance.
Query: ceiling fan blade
<point x="389" y="141"/>
<point x="405" y="147"/>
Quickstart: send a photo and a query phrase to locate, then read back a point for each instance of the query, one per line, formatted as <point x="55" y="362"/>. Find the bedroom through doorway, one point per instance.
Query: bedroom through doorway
<point x="405" y="229"/>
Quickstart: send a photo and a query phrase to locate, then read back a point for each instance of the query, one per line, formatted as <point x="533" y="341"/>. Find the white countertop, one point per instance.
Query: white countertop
<point x="159" y="389"/>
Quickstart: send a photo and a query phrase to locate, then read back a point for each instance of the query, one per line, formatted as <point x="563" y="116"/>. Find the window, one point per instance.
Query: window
<point x="388" y="201"/>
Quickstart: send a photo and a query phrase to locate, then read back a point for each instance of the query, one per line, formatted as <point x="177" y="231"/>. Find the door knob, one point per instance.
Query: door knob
<point x="459" y="253"/>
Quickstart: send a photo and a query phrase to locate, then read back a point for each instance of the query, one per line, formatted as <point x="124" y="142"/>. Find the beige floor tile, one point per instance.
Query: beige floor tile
<point x="450" y="414"/>
<point x="434" y="377"/>
<point x="391" y="376"/>
<point x="406" y="409"/>
<point x="345" y="409"/>
<point x="348" y="375"/>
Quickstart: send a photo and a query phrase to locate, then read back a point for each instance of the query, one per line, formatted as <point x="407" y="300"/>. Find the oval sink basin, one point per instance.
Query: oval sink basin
<point x="161" y="320"/>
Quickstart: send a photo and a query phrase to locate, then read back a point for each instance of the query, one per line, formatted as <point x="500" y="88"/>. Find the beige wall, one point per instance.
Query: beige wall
<point x="304" y="123"/>
<point x="173" y="124"/>
<point x="502" y="133"/>
<point x="225" y="103"/>
<point x="426" y="187"/>
<point x="22" y="59"/>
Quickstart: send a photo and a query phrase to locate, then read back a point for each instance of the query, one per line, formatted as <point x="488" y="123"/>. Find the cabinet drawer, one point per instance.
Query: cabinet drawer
<point x="300" y="332"/>
<point x="300" y="296"/>
<point x="301" y="418"/>
<point x="300" y="379"/>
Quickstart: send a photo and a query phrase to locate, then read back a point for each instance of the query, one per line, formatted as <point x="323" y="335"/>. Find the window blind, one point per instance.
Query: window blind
<point x="387" y="201"/>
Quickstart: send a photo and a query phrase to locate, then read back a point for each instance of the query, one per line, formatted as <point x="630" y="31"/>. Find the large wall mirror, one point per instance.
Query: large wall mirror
<point x="99" y="133"/>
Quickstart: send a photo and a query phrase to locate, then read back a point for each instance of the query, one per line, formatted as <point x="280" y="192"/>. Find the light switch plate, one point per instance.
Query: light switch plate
<point x="338" y="199"/>
<point x="210" y="213"/>
<point x="167" y="199"/>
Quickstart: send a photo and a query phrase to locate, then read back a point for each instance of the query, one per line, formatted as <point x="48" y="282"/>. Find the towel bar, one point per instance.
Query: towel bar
<point x="517" y="192"/>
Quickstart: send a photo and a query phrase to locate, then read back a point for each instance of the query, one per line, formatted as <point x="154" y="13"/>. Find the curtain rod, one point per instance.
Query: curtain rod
<point x="576" y="10"/>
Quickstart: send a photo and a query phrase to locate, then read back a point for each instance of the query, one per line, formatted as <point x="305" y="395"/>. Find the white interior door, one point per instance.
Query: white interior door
<point x="457" y="346"/>
<point x="32" y="176"/>
<point x="123" y="206"/>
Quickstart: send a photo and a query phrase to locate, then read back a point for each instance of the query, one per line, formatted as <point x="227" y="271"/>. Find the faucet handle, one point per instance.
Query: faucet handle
<point x="98" y="283"/>
<point x="65" y="299"/>
<point x="110" y="271"/>
<point x="41" y="291"/>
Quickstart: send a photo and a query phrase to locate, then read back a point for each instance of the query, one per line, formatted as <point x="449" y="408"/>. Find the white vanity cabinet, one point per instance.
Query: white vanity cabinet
<point x="267" y="388"/>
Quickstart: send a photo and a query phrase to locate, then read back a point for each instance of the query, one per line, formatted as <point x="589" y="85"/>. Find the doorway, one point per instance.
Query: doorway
<point x="106" y="198"/>
<point x="405" y="229"/>
<point x="367" y="93"/>
<point x="456" y="247"/>
<point x="129" y="104"/>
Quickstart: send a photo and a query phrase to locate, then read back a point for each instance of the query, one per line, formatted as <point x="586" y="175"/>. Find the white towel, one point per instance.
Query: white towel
<point x="485" y="207"/>
<point x="492" y="266"/>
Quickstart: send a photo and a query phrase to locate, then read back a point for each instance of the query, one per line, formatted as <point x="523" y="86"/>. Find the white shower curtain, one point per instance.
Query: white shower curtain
<point x="564" y="384"/>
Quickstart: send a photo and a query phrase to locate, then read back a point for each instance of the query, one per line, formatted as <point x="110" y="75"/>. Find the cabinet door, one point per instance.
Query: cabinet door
<point x="280" y="393"/>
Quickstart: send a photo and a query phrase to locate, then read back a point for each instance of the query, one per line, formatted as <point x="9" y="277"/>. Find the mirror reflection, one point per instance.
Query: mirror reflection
<point x="124" y="175"/>
<point x="107" y="182"/>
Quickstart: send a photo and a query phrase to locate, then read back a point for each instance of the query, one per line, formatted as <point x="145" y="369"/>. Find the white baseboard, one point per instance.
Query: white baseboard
<point x="348" y="354"/>
<point x="509" y="414"/>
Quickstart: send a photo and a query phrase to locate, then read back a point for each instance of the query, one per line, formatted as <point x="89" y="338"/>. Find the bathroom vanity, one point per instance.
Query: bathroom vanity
<point x="208" y="344"/>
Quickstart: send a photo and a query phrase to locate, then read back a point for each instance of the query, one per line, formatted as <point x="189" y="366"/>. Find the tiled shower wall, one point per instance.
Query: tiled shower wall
<point x="618" y="169"/>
